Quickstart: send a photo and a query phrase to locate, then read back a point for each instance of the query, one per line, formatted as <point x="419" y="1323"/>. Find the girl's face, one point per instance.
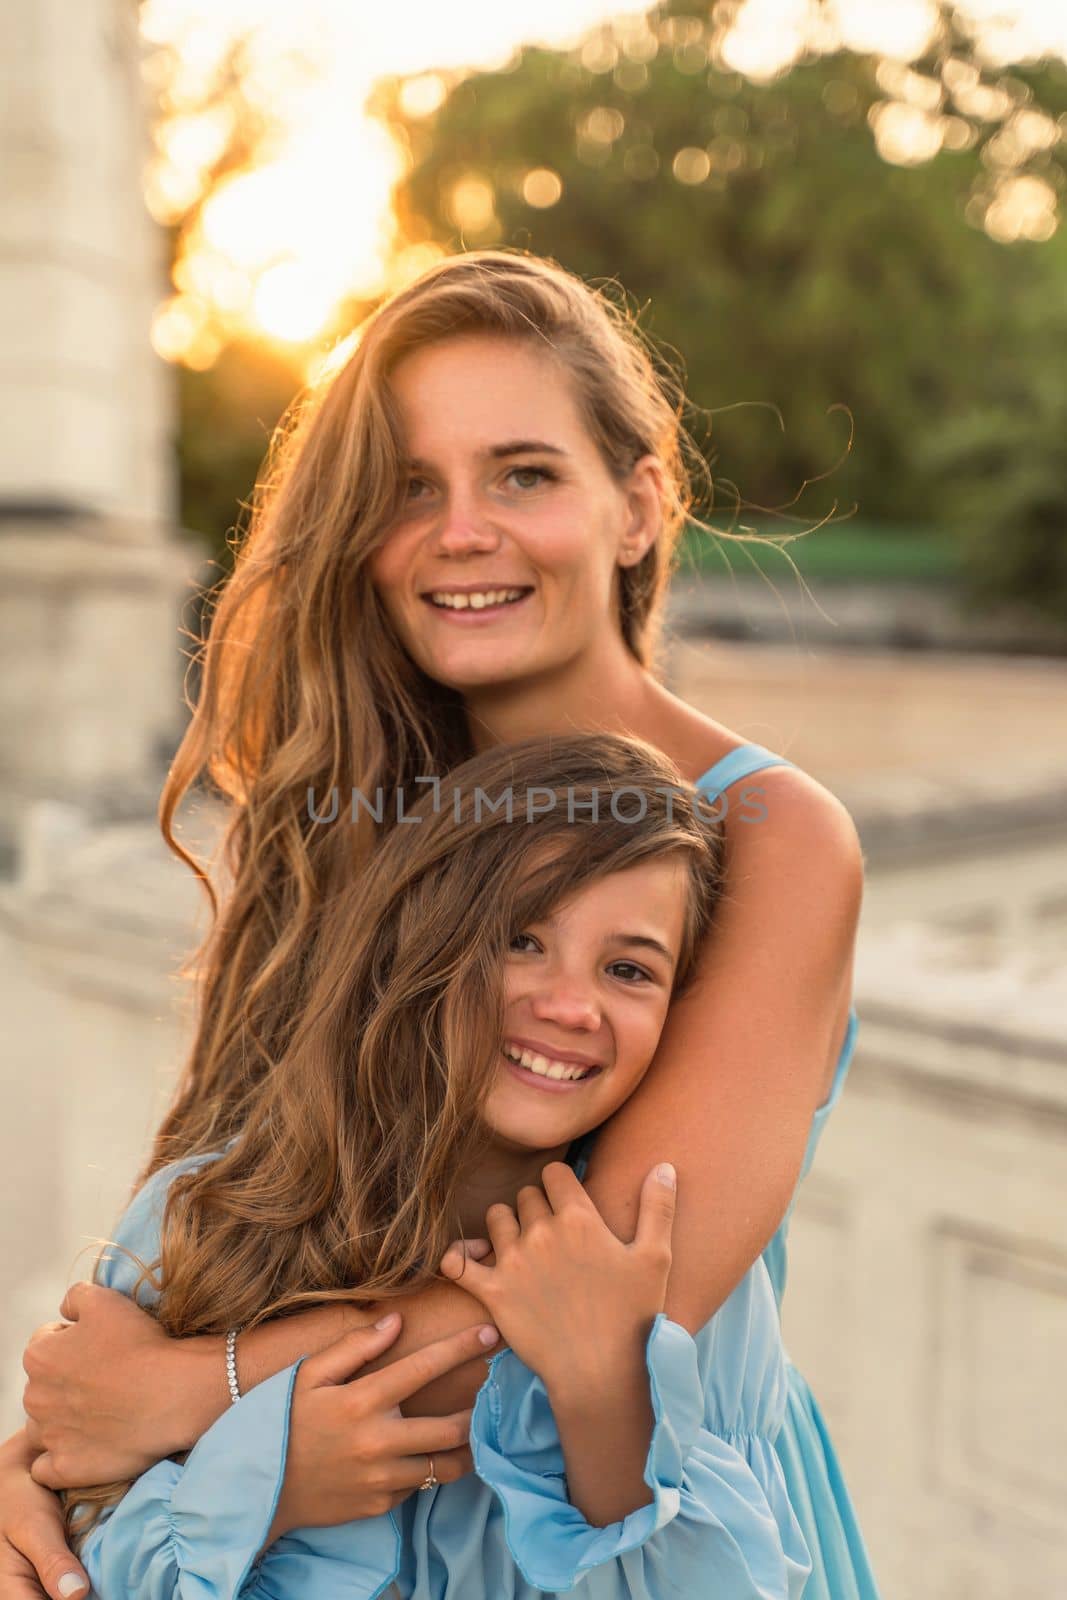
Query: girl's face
<point x="587" y="990"/>
<point x="503" y="562"/>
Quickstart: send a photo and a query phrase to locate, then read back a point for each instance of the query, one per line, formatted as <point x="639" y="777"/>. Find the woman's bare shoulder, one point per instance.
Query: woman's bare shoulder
<point x="778" y="810"/>
<point x="783" y="810"/>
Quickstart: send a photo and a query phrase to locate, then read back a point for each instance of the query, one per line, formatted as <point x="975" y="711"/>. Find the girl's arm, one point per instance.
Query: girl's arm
<point x="716" y="1518"/>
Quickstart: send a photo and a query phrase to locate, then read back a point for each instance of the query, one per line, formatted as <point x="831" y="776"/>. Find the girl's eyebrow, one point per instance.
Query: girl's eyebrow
<point x="513" y="447"/>
<point x="644" y="941"/>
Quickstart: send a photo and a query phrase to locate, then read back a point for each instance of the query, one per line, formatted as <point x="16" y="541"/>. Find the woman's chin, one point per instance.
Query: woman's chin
<point x="472" y="670"/>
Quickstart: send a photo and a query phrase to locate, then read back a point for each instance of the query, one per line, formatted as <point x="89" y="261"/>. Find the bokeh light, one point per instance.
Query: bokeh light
<point x="274" y="237"/>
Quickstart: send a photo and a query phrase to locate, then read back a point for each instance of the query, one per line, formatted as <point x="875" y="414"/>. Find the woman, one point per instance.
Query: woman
<point x="409" y="1098"/>
<point x="406" y="596"/>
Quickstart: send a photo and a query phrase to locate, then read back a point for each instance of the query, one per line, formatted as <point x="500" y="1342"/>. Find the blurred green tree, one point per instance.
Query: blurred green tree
<point x="846" y="307"/>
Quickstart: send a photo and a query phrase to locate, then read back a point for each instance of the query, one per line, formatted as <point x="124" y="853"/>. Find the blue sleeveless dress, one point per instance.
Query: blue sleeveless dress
<point x="841" y="1568"/>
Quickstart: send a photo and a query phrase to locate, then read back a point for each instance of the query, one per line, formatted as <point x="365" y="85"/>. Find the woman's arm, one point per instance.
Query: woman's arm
<point x="742" y="1062"/>
<point x="745" y="1053"/>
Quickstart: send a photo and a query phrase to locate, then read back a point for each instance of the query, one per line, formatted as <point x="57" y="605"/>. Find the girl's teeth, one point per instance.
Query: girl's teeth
<point x="545" y="1068"/>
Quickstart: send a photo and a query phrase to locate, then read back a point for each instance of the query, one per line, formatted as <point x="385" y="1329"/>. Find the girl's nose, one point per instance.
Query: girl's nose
<point x="571" y="1005"/>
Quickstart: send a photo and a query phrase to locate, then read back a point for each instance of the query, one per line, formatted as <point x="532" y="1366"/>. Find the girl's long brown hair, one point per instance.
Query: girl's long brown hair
<point x="304" y="683"/>
<point x="344" y="1181"/>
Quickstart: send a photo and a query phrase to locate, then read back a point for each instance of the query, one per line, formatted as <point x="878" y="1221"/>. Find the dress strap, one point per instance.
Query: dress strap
<point x="739" y="763"/>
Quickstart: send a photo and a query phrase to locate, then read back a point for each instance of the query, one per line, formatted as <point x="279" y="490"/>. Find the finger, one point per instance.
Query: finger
<point x="45" y="1330"/>
<point x="461" y="1250"/>
<point x="42" y="1471"/>
<point x="655" y="1216"/>
<point x="476" y="1249"/>
<point x="531" y="1204"/>
<point x="386" y="1388"/>
<point x="475" y="1276"/>
<point x="412" y="1436"/>
<point x="40" y="1540"/>
<point x="447" y="1467"/>
<point x="464" y="1268"/>
<point x="343" y="1359"/>
<point x="502" y="1225"/>
<point x="34" y="1437"/>
<point x="564" y="1187"/>
<point x="74" y="1301"/>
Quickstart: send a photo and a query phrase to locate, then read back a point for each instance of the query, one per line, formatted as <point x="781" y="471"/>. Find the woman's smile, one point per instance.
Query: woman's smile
<point x="467" y="605"/>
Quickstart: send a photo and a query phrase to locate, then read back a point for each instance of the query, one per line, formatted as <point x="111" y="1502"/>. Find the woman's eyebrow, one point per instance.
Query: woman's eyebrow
<point x="513" y="447"/>
<point x="516" y="447"/>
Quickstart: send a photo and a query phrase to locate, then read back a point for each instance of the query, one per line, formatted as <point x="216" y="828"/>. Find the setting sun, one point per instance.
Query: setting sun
<point x="303" y="219"/>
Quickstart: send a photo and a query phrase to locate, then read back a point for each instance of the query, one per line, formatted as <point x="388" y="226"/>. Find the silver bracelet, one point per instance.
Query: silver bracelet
<point x="231" y="1366"/>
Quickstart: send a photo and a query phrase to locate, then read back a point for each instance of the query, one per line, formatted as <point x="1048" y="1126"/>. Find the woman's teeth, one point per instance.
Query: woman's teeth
<point x="544" y="1066"/>
<point x="476" y="600"/>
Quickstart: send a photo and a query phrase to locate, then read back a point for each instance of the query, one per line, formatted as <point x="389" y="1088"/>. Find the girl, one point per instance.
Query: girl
<point x="464" y="538"/>
<point x="498" y="991"/>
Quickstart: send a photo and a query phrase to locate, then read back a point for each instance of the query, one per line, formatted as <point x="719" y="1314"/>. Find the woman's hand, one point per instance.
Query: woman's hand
<point x="568" y="1296"/>
<point x="352" y="1453"/>
<point x="109" y="1394"/>
<point x="33" y="1544"/>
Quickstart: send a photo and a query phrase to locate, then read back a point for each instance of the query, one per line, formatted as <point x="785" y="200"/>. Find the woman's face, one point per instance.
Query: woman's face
<point x="587" y="988"/>
<point x="503" y="561"/>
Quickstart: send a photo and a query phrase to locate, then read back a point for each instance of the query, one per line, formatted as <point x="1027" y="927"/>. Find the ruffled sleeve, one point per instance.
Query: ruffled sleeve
<point x="720" y="1521"/>
<point x="194" y="1531"/>
<point x="191" y="1530"/>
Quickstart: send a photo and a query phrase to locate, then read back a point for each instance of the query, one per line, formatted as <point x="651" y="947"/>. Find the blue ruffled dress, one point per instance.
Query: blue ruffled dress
<point x="720" y="1522"/>
<point x="748" y="1501"/>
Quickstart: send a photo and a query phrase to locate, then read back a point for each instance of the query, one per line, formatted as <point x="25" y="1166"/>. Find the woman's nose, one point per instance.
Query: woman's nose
<point x="465" y="530"/>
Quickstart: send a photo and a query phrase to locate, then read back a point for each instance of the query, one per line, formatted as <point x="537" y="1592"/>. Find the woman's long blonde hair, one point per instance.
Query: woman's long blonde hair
<point x="306" y="686"/>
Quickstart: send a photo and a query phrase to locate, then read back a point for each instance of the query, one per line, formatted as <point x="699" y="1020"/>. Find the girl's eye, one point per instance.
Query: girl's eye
<point x="517" y="936"/>
<point x="634" y="968"/>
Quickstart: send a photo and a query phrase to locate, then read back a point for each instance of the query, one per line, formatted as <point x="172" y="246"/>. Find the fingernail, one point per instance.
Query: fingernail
<point x="386" y="1321"/>
<point x="667" y="1175"/>
<point x="70" y="1583"/>
<point x="487" y="1334"/>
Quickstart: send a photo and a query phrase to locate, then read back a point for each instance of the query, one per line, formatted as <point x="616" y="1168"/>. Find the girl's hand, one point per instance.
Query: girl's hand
<point x="34" y="1557"/>
<point x="352" y="1453"/>
<point x="567" y="1295"/>
<point x="107" y="1396"/>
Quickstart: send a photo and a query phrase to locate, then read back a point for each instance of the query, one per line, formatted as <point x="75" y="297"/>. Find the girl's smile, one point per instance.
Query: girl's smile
<point x="542" y="1069"/>
<point x="586" y="991"/>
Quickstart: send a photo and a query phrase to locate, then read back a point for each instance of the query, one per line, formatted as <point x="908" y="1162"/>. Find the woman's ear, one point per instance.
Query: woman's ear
<point x="644" y="495"/>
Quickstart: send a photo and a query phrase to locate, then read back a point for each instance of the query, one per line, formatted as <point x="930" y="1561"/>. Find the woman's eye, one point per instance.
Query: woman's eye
<point x="638" y="972"/>
<point x="516" y="937"/>
<point x="538" y="472"/>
